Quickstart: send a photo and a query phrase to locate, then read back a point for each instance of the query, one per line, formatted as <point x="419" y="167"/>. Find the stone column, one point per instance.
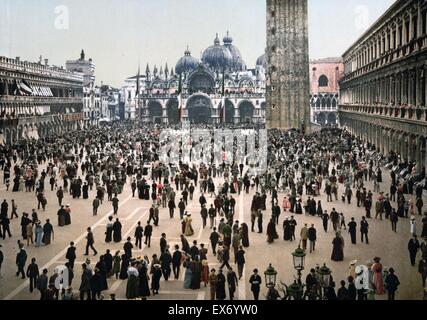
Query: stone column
<point x="418" y="80"/>
<point x="418" y="153"/>
<point x="404" y="39"/>
<point x="398" y="39"/>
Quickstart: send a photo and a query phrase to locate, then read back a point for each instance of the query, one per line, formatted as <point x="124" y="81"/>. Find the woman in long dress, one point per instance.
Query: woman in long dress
<point x="319" y="210"/>
<point x="109" y="231"/>
<point x="338" y="248"/>
<point x="132" y="283"/>
<point x="196" y="274"/>
<point x="155" y="280"/>
<point x="117" y="231"/>
<point x="377" y="270"/>
<point x="38" y="231"/>
<point x="286" y="230"/>
<point x="124" y="267"/>
<point x="286" y="205"/>
<point x="116" y="264"/>
<point x="21" y="184"/>
<point x="187" y="274"/>
<point x="188" y="227"/>
<point x="205" y="272"/>
<point x="245" y="235"/>
<point x="144" y="289"/>
<point x="67" y="215"/>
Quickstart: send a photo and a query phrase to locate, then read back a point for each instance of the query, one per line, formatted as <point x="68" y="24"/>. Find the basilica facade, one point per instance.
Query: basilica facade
<point x="218" y="88"/>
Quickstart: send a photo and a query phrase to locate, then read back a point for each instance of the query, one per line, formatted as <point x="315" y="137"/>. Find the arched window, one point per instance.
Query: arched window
<point x="323" y="81"/>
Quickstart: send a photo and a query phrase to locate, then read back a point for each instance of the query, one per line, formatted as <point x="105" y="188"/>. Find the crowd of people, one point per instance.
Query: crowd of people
<point x="102" y="161"/>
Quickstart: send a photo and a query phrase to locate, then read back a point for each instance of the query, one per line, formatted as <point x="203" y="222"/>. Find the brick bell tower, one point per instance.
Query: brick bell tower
<point x="288" y="78"/>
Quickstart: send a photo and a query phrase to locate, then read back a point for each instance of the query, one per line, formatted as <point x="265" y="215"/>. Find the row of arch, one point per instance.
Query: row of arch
<point x="324" y="101"/>
<point x="325" y="118"/>
<point x="13" y="135"/>
<point x="410" y="146"/>
<point x="199" y="109"/>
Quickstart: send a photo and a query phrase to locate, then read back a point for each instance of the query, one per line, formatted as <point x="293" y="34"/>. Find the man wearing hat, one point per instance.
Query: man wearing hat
<point x="413" y="247"/>
<point x="255" y="281"/>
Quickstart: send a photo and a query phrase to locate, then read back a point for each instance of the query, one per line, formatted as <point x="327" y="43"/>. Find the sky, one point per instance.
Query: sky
<point x="119" y="35"/>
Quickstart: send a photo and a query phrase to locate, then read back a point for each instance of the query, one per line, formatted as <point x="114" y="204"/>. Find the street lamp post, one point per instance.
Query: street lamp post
<point x="270" y="276"/>
<point x="299" y="261"/>
<point x="270" y="282"/>
<point x="325" y="278"/>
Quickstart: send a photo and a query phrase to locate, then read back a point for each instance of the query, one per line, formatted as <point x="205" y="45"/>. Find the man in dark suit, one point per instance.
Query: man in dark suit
<point x="148" y="231"/>
<point x="413" y="247"/>
<point x="71" y="255"/>
<point x="312" y="237"/>
<point x="176" y="261"/>
<point x="364" y="225"/>
<point x="33" y="273"/>
<point x="127" y="247"/>
<point x="163" y="243"/>
<point x="352" y="225"/>
<point x="255" y="281"/>
<point x="139" y="232"/>
<point x="90" y="240"/>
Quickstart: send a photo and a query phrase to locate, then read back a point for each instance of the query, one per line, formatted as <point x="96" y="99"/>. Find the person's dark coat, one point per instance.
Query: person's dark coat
<point x="143" y="287"/>
<point x="117" y="231"/>
<point x="86" y="277"/>
<point x="220" y="287"/>
<point x="337" y="251"/>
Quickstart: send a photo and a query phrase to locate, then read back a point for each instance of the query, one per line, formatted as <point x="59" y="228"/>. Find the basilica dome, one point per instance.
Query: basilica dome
<point x="217" y="57"/>
<point x="238" y="63"/>
<point x="187" y="63"/>
<point x="262" y="61"/>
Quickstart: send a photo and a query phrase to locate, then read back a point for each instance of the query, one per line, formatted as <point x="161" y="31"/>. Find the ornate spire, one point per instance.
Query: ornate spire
<point x="227" y="39"/>
<point x="82" y="55"/>
<point x="155" y="70"/>
<point x="166" y="68"/>
<point x="172" y="72"/>
<point x="147" y="70"/>
<point x="216" y="41"/>
<point x="187" y="52"/>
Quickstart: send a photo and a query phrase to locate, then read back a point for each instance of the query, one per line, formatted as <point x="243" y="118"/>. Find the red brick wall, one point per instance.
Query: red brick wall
<point x="332" y="70"/>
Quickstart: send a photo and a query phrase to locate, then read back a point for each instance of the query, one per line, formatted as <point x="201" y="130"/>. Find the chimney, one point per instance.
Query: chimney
<point x="18" y="59"/>
<point x="46" y="62"/>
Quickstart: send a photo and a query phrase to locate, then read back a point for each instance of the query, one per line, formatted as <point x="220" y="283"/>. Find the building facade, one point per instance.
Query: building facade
<point x="325" y="75"/>
<point x="92" y="96"/>
<point x="37" y="99"/>
<point x="219" y="88"/>
<point x="288" y="84"/>
<point x="384" y="89"/>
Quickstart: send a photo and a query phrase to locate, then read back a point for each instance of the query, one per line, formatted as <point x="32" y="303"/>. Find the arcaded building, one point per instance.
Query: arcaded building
<point x="325" y="75"/>
<point x="383" y="92"/>
<point x="37" y="99"/>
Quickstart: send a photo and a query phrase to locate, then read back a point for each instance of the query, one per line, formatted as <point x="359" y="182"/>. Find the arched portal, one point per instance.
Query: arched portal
<point x="173" y="111"/>
<point x="246" y="110"/>
<point x="199" y="109"/>
<point x="155" y="112"/>
<point x="321" y="118"/>
<point x="332" y="119"/>
<point x="229" y="111"/>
